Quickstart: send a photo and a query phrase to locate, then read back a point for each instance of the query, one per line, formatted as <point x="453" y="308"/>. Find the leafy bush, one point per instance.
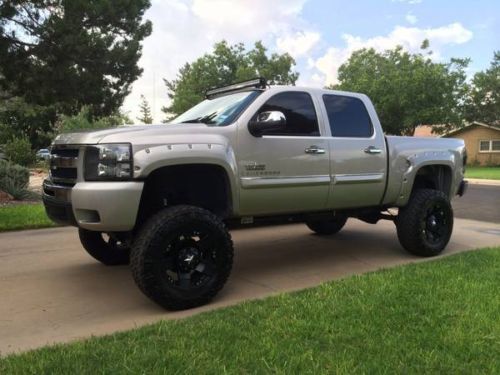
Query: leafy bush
<point x="85" y="121"/>
<point x="14" y="179"/>
<point x="18" y="151"/>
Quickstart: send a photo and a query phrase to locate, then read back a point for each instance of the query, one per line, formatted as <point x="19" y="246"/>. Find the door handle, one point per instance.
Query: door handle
<point x="314" y="150"/>
<point x="372" y="150"/>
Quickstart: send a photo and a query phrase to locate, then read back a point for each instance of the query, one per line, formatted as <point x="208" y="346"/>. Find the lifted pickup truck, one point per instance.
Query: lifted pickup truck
<point x="162" y="197"/>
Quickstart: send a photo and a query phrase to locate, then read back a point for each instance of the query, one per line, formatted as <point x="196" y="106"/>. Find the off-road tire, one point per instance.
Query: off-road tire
<point x="107" y="251"/>
<point x="412" y="222"/>
<point x="327" y="227"/>
<point x="156" y="248"/>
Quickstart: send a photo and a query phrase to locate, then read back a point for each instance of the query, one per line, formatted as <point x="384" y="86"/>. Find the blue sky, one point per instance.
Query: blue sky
<point x="319" y="34"/>
<point x="371" y="18"/>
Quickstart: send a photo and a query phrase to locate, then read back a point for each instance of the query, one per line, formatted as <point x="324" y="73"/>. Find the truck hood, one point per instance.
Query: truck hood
<point x="130" y="133"/>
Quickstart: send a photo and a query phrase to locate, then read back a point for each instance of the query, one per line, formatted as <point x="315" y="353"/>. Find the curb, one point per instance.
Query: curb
<point x="479" y="181"/>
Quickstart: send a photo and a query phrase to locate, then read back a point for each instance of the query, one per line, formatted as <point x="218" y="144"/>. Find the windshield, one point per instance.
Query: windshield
<point x="219" y="111"/>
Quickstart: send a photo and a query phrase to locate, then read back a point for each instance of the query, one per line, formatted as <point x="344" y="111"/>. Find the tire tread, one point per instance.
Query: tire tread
<point x="160" y="222"/>
<point x="408" y="229"/>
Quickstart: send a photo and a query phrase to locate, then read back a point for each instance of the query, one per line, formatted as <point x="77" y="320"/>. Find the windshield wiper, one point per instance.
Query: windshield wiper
<point x="193" y="121"/>
<point x="207" y="119"/>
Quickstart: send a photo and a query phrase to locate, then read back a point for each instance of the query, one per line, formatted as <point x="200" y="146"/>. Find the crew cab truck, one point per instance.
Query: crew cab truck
<point x="163" y="197"/>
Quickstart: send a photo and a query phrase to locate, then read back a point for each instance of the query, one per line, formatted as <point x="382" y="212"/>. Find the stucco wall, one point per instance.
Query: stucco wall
<point x="471" y="137"/>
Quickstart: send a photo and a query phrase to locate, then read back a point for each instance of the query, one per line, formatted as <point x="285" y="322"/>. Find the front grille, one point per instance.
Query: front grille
<point x="63" y="165"/>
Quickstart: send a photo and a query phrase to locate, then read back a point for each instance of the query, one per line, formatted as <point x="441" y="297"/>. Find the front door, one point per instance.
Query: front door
<point x="286" y="171"/>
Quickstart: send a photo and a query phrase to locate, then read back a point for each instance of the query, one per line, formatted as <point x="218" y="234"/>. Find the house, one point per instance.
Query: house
<point x="482" y="142"/>
<point x="428" y="131"/>
<point x="424" y="131"/>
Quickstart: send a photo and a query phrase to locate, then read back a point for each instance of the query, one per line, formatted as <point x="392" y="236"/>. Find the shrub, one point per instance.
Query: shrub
<point x="12" y="173"/>
<point x="14" y="179"/>
<point x="19" y="193"/>
<point x="84" y="120"/>
<point x="18" y="151"/>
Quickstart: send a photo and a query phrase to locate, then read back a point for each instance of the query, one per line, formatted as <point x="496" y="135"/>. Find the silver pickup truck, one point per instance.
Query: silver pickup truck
<point x="162" y="197"/>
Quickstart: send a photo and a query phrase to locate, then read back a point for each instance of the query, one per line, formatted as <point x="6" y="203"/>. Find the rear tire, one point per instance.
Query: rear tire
<point x="327" y="227"/>
<point x="108" y="251"/>
<point x="182" y="257"/>
<point x="425" y="224"/>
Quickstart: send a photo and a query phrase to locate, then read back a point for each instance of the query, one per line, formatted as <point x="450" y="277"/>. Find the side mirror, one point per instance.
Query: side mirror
<point x="267" y="121"/>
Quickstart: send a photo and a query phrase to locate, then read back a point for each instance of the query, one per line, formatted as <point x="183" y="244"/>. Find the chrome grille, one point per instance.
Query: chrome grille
<point x="63" y="165"/>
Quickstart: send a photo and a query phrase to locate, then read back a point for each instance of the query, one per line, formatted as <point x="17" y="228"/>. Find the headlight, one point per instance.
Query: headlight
<point x="108" y="162"/>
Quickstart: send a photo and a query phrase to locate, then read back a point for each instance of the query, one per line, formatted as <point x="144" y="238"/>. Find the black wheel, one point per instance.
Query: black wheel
<point x="425" y="224"/>
<point x="106" y="249"/>
<point x="182" y="257"/>
<point x="327" y="227"/>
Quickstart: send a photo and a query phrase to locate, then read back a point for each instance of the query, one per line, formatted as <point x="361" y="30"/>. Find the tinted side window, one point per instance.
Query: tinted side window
<point x="299" y="111"/>
<point x="348" y="116"/>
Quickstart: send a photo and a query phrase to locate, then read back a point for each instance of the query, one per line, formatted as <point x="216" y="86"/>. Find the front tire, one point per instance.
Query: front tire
<point x="182" y="257"/>
<point x="327" y="227"/>
<point x="107" y="250"/>
<point x="425" y="224"/>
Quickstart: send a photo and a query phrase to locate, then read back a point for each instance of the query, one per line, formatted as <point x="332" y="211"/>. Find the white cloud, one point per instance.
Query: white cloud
<point x="411" y="18"/>
<point x="246" y="17"/>
<point x="299" y="43"/>
<point x="410" y="38"/>
<point x="411" y="2"/>
<point x="185" y="29"/>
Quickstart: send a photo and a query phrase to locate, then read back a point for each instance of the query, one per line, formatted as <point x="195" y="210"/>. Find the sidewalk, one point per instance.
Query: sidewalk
<point x="481" y="181"/>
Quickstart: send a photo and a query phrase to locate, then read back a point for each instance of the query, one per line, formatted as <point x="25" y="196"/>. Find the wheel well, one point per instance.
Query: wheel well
<point x="201" y="185"/>
<point x="437" y="177"/>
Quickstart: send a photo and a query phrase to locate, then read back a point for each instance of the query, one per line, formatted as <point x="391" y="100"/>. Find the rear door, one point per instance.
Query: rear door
<point x="357" y="152"/>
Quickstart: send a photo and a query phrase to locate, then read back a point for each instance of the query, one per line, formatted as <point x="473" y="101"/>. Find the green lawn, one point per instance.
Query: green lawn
<point x="23" y="216"/>
<point x="431" y="317"/>
<point x="489" y="173"/>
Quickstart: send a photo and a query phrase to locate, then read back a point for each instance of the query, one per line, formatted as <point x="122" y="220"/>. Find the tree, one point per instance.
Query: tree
<point x="483" y="103"/>
<point x="225" y="65"/>
<point x="407" y="89"/>
<point x="146" y="117"/>
<point x="19" y="119"/>
<point x="60" y="55"/>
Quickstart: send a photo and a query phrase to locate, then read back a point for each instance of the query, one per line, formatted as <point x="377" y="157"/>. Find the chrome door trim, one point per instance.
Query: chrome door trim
<point x="360" y="178"/>
<point x="270" y="182"/>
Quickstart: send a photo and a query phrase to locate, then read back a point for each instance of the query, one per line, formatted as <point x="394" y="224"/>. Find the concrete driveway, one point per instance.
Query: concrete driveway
<point x="52" y="291"/>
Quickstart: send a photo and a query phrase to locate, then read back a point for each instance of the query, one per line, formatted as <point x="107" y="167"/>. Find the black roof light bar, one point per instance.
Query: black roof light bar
<point x="258" y="83"/>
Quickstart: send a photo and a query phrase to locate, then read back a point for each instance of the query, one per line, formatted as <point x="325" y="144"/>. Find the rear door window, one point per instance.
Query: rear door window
<point x="347" y="116"/>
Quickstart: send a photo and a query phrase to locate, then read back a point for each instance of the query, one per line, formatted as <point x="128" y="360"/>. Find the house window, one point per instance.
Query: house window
<point x="492" y="145"/>
<point x="484" y="146"/>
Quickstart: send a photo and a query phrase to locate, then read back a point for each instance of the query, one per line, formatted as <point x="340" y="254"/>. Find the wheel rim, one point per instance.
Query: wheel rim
<point x="436" y="224"/>
<point x="189" y="258"/>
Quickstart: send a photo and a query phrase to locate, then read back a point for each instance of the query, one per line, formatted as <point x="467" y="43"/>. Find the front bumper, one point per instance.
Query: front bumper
<point x="59" y="211"/>
<point x="98" y="206"/>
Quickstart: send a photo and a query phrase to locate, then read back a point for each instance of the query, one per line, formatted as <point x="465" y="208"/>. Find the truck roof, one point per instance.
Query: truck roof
<point x="260" y="84"/>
